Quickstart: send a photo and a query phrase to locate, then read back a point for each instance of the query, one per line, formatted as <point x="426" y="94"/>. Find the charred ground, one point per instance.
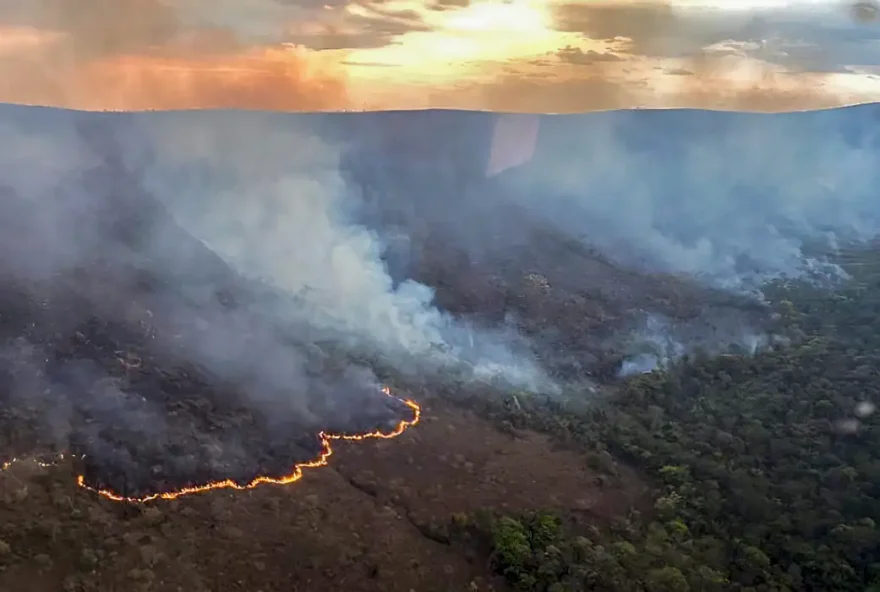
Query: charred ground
<point x="98" y="349"/>
<point x="94" y="365"/>
<point x="89" y="344"/>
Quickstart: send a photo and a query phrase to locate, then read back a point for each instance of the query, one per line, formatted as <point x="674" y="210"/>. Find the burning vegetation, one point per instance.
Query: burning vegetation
<point x="101" y="353"/>
<point x="298" y="470"/>
<point x="186" y="309"/>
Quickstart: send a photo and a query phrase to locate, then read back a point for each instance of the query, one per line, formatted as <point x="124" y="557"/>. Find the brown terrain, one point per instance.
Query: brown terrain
<point x="372" y="520"/>
<point x="376" y="518"/>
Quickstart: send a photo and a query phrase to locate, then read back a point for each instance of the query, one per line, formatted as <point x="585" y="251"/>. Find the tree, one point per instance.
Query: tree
<point x="667" y="579"/>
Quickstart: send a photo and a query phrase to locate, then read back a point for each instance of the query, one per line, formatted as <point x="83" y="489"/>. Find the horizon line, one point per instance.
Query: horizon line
<point x="429" y="109"/>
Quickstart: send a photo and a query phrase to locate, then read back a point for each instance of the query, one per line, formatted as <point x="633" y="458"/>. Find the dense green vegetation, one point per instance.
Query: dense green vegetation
<point x="765" y="468"/>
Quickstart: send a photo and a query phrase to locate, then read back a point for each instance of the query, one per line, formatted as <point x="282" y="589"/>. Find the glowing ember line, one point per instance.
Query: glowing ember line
<point x="293" y="477"/>
<point x="37" y="461"/>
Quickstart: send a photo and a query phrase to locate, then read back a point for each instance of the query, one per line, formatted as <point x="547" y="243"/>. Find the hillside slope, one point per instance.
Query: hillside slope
<point x="137" y="333"/>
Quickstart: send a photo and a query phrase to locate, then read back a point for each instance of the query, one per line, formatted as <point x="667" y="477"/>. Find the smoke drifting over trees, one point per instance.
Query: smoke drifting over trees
<point x="284" y="257"/>
<point x="733" y="198"/>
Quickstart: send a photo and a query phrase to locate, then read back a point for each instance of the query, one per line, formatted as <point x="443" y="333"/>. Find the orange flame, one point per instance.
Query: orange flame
<point x="293" y="477"/>
<point x="35" y="460"/>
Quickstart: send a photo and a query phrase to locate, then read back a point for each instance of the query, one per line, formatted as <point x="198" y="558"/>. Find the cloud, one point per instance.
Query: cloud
<point x="800" y="38"/>
<point x="448" y="4"/>
<point x="760" y="59"/>
<point x="360" y="25"/>
<point x="311" y="55"/>
<point x="141" y="54"/>
<point x="575" y="55"/>
<point x="608" y="85"/>
<point x="517" y="93"/>
<point x="650" y="28"/>
<point x="99" y="27"/>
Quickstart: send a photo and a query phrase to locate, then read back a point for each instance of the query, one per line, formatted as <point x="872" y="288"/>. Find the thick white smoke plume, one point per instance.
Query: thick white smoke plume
<point x="265" y="192"/>
<point x="107" y="294"/>
<point x="729" y="198"/>
<point x="732" y="198"/>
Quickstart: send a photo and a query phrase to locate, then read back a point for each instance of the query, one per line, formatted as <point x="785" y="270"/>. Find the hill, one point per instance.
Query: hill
<point x="191" y="297"/>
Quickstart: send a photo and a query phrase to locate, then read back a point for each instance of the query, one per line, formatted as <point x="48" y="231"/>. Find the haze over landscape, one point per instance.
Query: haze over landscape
<point x="416" y="295"/>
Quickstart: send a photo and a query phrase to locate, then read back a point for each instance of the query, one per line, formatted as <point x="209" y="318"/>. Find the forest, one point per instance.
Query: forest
<point x="764" y="469"/>
<point x="734" y="470"/>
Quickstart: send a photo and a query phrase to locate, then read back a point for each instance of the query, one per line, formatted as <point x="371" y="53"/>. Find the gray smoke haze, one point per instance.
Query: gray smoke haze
<point x="266" y="194"/>
<point x="734" y="199"/>
<point x="661" y="341"/>
<point x="731" y="200"/>
<point x="272" y="317"/>
<point x="62" y="374"/>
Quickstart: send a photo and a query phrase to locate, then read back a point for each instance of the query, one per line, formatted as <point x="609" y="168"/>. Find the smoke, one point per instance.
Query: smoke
<point x="728" y="200"/>
<point x="719" y="82"/>
<point x="732" y="199"/>
<point x="213" y="269"/>
<point x="661" y="341"/>
<point x="675" y="199"/>
<point x="266" y="194"/>
<point x="663" y="54"/>
<point x="262" y="323"/>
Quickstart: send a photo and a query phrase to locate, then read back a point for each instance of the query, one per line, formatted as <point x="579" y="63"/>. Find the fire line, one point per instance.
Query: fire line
<point x="298" y="470"/>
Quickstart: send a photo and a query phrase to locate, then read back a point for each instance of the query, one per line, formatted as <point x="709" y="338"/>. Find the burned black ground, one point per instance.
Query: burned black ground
<point x="107" y="339"/>
<point x="95" y="353"/>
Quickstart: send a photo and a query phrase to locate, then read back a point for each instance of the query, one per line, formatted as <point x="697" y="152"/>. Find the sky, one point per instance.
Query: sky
<point x="500" y="55"/>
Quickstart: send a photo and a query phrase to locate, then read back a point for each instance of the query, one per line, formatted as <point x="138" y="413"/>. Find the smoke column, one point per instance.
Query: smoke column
<point x="265" y="192"/>
<point x="732" y="198"/>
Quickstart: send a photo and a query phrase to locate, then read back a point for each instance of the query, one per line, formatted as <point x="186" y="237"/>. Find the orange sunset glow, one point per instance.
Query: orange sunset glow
<point x="514" y="55"/>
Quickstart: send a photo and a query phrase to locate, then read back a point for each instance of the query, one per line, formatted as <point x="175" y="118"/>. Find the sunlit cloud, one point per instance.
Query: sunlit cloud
<point x="543" y="55"/>
<point x="461" y="42"/>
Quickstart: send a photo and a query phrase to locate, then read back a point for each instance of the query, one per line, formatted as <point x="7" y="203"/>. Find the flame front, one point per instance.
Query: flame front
<point x="293" y="477"/>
